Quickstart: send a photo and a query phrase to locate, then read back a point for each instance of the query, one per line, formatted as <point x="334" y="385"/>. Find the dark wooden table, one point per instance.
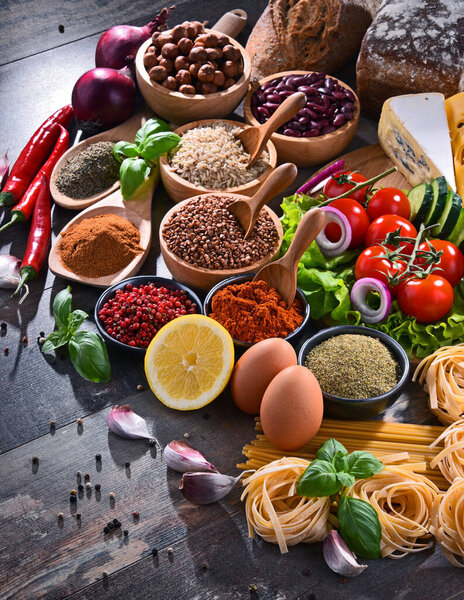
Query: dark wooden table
<point x="42" y="558"/>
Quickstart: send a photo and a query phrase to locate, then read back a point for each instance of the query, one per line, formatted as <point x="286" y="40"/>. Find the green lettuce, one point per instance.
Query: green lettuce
<point x="327" y="282"/>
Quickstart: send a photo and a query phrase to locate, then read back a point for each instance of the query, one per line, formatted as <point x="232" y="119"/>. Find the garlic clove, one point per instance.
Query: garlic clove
<point x="206" y="488"/>
<point x="123" y="421"/>
<point x="339" y="557"/>
<point x="9" y="271"/>
<point x="4" y="169"/>
<point x="181" y="457"/>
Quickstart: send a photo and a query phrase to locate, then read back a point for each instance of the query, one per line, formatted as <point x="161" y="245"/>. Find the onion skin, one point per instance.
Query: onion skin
<point x="358" y="296"/>
<point x="327" y="247"/>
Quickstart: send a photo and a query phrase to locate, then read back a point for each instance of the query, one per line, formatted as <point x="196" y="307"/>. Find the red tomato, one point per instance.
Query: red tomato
<point x="452" y="260"/>
<point x="357" y="218"/>
<point x="339" y="184"/>
<point x="428" y="299"/>
<point x="388" y="201"/>
<point x="379" y="228"/>
<point x="369" y="265"/>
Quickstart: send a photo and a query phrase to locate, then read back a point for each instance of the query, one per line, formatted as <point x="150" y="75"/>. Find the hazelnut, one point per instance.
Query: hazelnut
<point x="219" y="78"/>
<point x="199" y="44"/>
<point x="187" y="89"/>
<point x="229" y="69"/>
<point x="185" y="45"/>
<point x="239" y="67"/>
<point x="194" y="68"/>
<point x="208" y="88"/>
<point x="198" y="27"/>
<point x="228" y="83"/>
<point x="170" y="83"/>
<point x="211" y="40"/>
<point x="158" y="73"/>
<point x="223" y="40"/>
<point x="164" y="38"/>
<point x="166" y="63"/>
<point x="151" y="49"/>
<point x="231" y="53"/>
<point x="154" y="38"/>
<point x="181" y="63"/>
<point x="150" y="60"/>
<point x="206" y="73"/>
<point x="214" y="53"/>
<point x="170" y="51"/>
<point x="178" y="32"/>
<point x="190" y="31"/>
<point x="183" y="77"/>
<point x="198" y="54"/>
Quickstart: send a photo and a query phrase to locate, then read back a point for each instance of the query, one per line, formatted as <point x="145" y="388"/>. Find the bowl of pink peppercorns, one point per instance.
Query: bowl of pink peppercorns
<point x="130" y="313"/>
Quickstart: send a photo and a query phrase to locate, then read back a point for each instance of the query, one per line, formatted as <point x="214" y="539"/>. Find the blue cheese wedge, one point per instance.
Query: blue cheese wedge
<point x="413" y="132"/>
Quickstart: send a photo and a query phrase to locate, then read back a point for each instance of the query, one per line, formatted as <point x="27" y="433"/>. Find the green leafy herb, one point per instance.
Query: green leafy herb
<point x="359" y="526"/>
<point x="138" y="160"/>
<point x="345" y="479"/>
<point x="329" y="449"/>
<point x="363" y="464"/>
<point x="319" y="480"/>
<point x="87" y="350"/>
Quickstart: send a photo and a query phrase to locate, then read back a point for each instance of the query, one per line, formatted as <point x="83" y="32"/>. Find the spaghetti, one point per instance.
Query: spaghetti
<point x="450" y="460"/>
<point x="448" y="523"/>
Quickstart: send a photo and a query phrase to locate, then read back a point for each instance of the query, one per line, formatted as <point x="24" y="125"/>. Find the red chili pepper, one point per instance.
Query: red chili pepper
<point x="22" y="211"/>
<point x="33" y="156"/>
<point x="39" y="236"/>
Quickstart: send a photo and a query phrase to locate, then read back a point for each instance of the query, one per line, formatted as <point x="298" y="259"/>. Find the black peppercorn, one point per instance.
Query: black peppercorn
<point x="98" y="457"/>
<point x="78" y="516"/>
<point x="126" y="532"/>
<point x="106" y="530"/>
<point x="110" y="525"/>
<point x="35" y="460"/>
<point x="72" y="499"/>
<point x="3" y="325"/>
<point x="117" y="525"/>
<point x="154" y="551"/>
<point x="127" y="464"/>
<point x="115" y="521"/>
<point x="97" y="487"/>
<point x="86" y="477"/>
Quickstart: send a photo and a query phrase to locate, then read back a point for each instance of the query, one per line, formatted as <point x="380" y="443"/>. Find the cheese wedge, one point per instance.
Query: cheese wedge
<point x="455" y="114"/>
<point x="413" y="132"/>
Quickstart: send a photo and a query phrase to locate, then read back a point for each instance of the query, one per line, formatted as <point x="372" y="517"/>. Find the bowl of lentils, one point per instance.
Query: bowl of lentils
<point x="130" y="313"/>
<point x="361" y="371"/>
<point x="319" y="131"/>
<point x="210" y="157"/>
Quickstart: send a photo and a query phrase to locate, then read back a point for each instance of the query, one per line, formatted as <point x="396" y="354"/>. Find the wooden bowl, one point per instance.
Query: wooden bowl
<point x="179" y="188"/>
<point x="199" y="277"/>
<point x="182" y="108"/>
<point x="307" y="152"/>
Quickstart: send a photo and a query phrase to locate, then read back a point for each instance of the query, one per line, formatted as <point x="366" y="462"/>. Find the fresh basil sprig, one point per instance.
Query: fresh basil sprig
<point x="138" y="160"/>
<point x="87" y="350"/>
<point x="334" y="469"/>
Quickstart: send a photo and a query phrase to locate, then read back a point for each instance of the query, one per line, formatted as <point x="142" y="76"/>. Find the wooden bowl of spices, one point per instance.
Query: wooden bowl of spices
<point x="197" y="167"/>
<point x="361" y="371"/>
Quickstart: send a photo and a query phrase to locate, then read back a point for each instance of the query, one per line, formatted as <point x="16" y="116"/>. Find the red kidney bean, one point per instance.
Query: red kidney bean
<point x="348" y="106"/>
<point x="304" y="121"/>
<point x="338" y="121"/>
<point x="271" y="107"/>
<point x="330" y="111"/>
<point x="274" y="98"/>
<point x="308" y="90"/>
<point x="329" y="83"/>
<point x="270" y="90"/>
<point x="292" y="132"/>
<point x="263" y="112"/>
<point x="295" y="125"/>
<point x="260" y="96"/>
<point x="324" y="122"/>
<point x="285" y="93"/>
<point x="348" y="116"/>
<point x="284" y="87"/>
<point x="339" y="95"/>
<point x="328" y="129"/>
<point x="315" y="125"/>
<point x="315" y="107"/>
<point x="311" y="133"/>
<point x="267" y="85"/>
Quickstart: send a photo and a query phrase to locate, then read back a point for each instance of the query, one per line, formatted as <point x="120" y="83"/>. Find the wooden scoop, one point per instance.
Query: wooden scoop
<point x="247" y="210"/>
<point x="281" y="274"/>
<point x="255" y="138"/>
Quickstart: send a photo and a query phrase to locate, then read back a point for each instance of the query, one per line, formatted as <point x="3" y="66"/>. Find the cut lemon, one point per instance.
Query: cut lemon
<point x="189" y="361"/>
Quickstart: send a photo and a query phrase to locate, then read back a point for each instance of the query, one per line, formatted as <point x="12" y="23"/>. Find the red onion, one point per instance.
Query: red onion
<point x="104" y="96"/>
<point x="118" y="46"/>
<point x="359" y="293"/>
<point x="327" y="247"/>
<point x="311" y="184"/>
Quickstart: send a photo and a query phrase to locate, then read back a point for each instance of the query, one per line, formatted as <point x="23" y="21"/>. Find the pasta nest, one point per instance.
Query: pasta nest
<point x="450" y="460"/>
<point x="448" y="523"/>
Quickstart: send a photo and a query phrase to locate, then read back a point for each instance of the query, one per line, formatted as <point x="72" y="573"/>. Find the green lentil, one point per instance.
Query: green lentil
<point x="353" y="366"/>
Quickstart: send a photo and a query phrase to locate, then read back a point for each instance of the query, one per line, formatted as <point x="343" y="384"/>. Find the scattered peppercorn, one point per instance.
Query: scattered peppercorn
<point x="78" y="516"/>
<point x="61" y="28"/>
<point x="127" y="464"/>
<point x="186" y="436"/>
<point x="86" y="477"/>
<point x="97" y="487"/>
<point x="3" y="325"/>
<point x="135" y="514"/>
<point x="52" y="424"/>
<point x="117" y="525"/>
<point x="140" y="388"/>
<point x="170" y="550"/>
<point x="73" y="492"/>
<point x="204" y="566"/>
<point x="98" y="457"/>
<point x="112" y="495"/>
<point x="110" y="525"/>
<point x="60" y="515"/>
<point x="106" y="530"/>
<point x="41" y="341"/>
<point x="79" y="421"/>
<point x="78" y="474"/>
<point x="126" y="532"/>
<point x="80" y="487"/>
<point x="105" y="574"/>
<point x="253" y="588"/>
<point x="24" y="340"/>
<point x="42" y="334"/>
<point x="72" y="499"/>
<point x="6" y="351"/>
<point x="88" y="485"/>
<point x="35" y="460"/>
<point x="154" y="551"/>
<point x="115" y="521"/>
<point x="152" y="442"/>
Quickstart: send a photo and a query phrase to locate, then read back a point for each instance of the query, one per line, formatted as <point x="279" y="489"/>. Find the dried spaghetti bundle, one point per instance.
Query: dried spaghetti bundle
<point x="451" y="459"/>
<point x="276" y="513"/>
<point x="403" y="501"/>
<point x="448" y="523"/>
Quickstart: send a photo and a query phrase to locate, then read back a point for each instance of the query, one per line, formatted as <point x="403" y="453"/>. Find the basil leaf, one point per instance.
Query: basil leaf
<point x="340" y="462"/>
<point x="150" y="127"/>
<point x="132" y="174"/>
<point x="124" y="150"/>
<point x="318" y="480"/>
<point x="75" y="320"/>
<point x="363" y="464"/>
<point x="329" y="449"/>
<point x="346" y="479"/>
<point x="359" y="526"/>
<point x="62" y="307"/>
<point x="159" y="144"/>
<point x="57" y="338"/>
<point x="89" y="356"/>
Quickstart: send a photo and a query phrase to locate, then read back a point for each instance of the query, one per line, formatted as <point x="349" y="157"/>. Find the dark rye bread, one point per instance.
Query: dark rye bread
<point x="312" y="35"/>
<point x="412" y="46"/>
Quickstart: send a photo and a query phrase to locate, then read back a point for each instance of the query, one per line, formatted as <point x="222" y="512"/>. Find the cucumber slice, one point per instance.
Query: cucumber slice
<point x="450" y="215"/>
<point x="456" y="235"/>
<point x="440" y="193"/>
<point x="420" y="198"/>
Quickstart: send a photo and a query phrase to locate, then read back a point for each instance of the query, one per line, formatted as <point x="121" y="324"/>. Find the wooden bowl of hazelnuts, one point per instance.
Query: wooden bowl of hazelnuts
<point x="190" y="73"/>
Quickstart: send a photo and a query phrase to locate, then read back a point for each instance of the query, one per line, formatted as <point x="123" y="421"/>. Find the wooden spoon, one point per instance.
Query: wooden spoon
<point x="247" y="210"/>
<point x="137" y="211"/>
<point x="255" y="138"/>
<point x="281" y="274"/>
<point x="125" y="131"/>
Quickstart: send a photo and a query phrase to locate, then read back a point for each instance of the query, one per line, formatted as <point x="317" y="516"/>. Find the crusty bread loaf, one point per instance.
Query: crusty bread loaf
<point x="412" y="46"/>
<point x="319" y="35"/>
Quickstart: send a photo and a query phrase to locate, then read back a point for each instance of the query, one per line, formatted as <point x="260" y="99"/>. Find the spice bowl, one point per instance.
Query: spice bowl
<point x="180" y="189"/>
<point x="307" y="151"/>
<point x="137" y="281"/>
<point x="360" y="408"/>
<point x="293" y="337"/>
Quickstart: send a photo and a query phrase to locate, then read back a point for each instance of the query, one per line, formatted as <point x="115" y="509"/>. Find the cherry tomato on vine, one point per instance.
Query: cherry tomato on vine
<point x="451" y="261"/>
<point x="388" y="201"/>
<point x="428" y="299"/>
<point x="368" y="264"/>
<point x="343" y="182"/>
<point x="357" y="218"/>
<point x="379" y="228"/>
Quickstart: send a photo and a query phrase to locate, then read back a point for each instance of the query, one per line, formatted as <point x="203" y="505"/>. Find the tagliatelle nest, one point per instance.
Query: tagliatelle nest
<point x="448" y="523"/>
<point x="450" y="460"/>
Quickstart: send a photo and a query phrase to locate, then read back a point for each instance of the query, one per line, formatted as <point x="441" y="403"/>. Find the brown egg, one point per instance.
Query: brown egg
<point x="256" y="369"/>
<point x="292" y="408"/>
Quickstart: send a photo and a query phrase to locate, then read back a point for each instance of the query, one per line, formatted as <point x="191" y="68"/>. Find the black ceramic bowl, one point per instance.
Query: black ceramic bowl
<point x="349" y="408"/>
<point x="292" y="337"/>
<point x="136" y="281"/>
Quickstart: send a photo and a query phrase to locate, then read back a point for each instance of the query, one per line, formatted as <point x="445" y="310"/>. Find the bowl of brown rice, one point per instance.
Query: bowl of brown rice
<point x="211" y="158"/>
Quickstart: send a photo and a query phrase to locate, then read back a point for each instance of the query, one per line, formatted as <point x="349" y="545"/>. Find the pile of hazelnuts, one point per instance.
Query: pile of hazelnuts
<point x="191" y="61"/>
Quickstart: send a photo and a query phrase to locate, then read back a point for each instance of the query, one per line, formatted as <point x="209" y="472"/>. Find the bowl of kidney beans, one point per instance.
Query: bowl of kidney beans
<point x="320" y="130"/>
<point x="130" y="313"/>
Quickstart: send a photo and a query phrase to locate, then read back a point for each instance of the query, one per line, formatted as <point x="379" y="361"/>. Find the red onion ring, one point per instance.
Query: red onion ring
<point x="327" y="247"/>
<point x="358" y="298"/>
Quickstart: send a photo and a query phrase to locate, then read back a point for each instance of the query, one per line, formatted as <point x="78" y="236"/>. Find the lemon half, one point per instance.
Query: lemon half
<point x="189" y="362"/>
